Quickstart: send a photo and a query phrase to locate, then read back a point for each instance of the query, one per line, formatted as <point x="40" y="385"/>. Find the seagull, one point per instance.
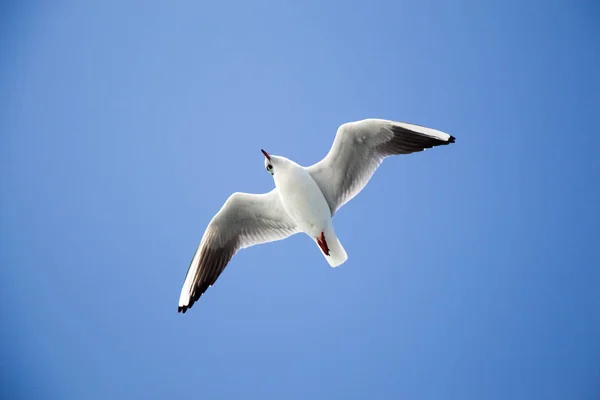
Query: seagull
<point x="304" y="199"/>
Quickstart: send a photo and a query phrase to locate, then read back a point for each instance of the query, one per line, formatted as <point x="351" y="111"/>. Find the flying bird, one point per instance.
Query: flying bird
<point x="304" y="199"/>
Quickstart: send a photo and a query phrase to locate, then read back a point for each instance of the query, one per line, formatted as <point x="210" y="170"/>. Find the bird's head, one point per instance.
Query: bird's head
<point x="277" y="163"/>
<point x="269" y="161"/>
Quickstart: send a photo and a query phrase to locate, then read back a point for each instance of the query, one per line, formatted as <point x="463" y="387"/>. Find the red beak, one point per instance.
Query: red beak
<point x="266" y="154"/>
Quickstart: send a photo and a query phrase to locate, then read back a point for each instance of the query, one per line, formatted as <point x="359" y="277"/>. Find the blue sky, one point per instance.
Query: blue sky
<point x="473" y="269"/>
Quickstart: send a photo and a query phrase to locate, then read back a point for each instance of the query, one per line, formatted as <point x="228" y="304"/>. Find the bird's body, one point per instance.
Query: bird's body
<point x="305" y="204"/>
<point x="304" y="199"/>
<point x="301" y="197"/>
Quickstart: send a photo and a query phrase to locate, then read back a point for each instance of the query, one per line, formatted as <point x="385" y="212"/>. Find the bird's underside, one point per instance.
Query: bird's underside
<point x="249" y="219"/>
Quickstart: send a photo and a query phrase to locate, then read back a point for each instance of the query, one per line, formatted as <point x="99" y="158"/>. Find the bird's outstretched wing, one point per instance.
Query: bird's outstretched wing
<point x="360" y="147"/>
<point x="244" y="220"/>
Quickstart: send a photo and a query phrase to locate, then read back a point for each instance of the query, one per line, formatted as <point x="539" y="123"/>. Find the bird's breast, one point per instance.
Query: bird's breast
<point x="303" y="201"/>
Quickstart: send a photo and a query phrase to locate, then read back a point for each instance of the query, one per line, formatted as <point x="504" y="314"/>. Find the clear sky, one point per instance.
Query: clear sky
<point x="473" y="269"/>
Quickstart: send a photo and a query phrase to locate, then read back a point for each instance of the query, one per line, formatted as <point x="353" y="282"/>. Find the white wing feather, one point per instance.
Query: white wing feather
<point x="244" y="220"/>
<point x="358" y="150"/>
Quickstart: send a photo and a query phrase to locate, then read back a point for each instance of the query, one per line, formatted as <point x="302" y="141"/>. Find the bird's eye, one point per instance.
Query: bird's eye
<point x="269" y="167"/>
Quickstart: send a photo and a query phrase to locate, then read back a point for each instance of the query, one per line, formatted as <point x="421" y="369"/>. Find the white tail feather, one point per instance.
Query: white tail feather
<point x="337" y="255"/>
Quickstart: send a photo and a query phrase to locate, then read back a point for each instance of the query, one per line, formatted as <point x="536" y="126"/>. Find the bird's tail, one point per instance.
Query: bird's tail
<point x="337" y="255"/>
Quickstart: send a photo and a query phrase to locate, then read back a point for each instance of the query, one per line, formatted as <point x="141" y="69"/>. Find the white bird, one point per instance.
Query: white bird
<point x="304" y="199"/>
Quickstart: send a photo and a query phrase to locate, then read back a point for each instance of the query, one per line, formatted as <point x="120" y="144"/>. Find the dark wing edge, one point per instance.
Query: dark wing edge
<point x="211" y="262"/>
<point x="407" y="141"/>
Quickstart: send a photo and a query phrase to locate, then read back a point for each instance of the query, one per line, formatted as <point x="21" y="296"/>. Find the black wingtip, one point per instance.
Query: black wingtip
<point x="182" y="309"/>
<point x="452" y="139"/>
